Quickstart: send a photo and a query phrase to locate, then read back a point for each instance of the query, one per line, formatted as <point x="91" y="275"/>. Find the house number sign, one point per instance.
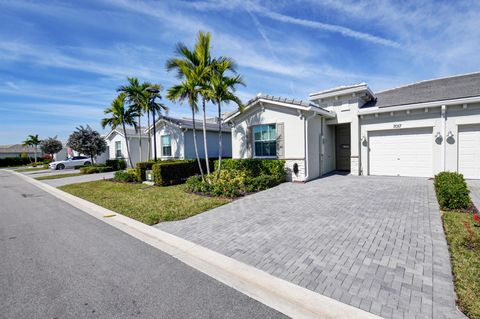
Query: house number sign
<point x="397" y="125"/>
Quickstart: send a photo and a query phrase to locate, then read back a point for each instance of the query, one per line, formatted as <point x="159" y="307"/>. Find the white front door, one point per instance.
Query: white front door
<point x="469" y="150"/>
<point x="402" y="152"/>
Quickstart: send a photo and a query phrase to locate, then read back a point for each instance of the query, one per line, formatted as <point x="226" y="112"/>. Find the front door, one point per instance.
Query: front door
<point x="342" y="147"/>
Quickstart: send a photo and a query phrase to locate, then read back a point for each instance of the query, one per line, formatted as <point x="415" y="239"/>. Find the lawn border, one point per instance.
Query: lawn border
<point x="281" y="295"/>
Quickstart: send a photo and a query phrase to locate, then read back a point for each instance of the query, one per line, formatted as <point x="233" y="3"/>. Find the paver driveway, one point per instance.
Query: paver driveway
<point x="376" y="243"/>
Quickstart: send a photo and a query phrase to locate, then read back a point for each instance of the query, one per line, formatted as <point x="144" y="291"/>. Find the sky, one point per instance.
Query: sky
<point x="62" y="61"/>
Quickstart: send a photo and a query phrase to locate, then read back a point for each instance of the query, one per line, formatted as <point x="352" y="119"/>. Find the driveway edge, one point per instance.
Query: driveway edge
<point x="281" y="295"/>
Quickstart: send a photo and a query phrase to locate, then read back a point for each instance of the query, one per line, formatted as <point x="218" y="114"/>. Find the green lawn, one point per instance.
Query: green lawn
<point x="57" y="176"/>
<point x="465" y="261"/>
<point x="30" y="169"/>
<point x="144" y="203"/>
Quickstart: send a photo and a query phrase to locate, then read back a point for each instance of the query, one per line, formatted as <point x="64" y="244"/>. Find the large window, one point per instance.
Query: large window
<point x="118" y="149"/>
<point x="166" y="145"/>
<point x="264" y="140"/>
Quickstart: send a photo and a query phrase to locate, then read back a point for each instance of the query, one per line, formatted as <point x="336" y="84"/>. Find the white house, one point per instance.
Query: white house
<point x="418" y="129"/>
<point x="174" y="138"/>
<point x="117" y="149"/>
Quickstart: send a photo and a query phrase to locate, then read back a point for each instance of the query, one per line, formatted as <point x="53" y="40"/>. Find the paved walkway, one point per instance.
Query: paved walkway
<point x="474" y="186"/>
<point x="78" y="179"/>
<point x="376" y="243"/>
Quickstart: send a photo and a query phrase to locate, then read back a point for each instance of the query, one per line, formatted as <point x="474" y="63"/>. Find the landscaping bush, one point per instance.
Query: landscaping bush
<point x="15" y="161"/>
<point x="452" y="191"/>
<point x="174" y="172"/>
<point x="35" y="164"/>
<point x="125" y="177"/>
<point x="256" y="167"/>
<point x="142" y="168"/>
<point x="95" y="169"/>
<point x="116" y="164"/>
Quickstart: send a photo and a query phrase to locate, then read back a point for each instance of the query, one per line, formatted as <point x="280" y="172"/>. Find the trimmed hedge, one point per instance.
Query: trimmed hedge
<point x="15" y="161"/>
<point x="116" y="164"/>
<point x="95" y="169"/>
<point x="256" y="167"/>
<point x="452" y="191"/>
<point x="142" y="168"/>
<point x="125" y="177"/>
<point x="176" y="172"/>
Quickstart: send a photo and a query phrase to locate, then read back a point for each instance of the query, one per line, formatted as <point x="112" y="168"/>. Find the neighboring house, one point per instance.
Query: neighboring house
<point x="67" y="152"/>
<point x="174" y="138"/>
<point x="117" y="149"/>
<point x="16" y="150"/>
<point x="413" y="130"/>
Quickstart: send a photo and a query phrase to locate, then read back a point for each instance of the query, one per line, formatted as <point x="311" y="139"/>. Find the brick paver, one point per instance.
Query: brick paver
<point x="376" y="243"/>
<point x="474" y="186"/>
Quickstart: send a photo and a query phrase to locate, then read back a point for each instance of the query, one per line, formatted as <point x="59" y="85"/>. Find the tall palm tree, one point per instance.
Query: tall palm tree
<point x="154" y="108"/>
<point x="134" y="92"/>
<point x="197" y="61"/>
<point x="33" y="140"/>
<point x="188" y="90"/>
<point x="121" y="115"/>
<point x="222" y="89"/>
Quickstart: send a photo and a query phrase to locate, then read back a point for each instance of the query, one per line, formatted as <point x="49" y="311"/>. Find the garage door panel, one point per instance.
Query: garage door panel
<point x="469" y="150"/>
<point x="406" y="152"/>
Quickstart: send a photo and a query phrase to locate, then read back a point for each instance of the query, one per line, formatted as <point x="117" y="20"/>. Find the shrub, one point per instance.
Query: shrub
<point x="124" y="177"/>
<point x="95" y="169"/>
<point x="15" y="161"/>
<point x="46" y="166"/>
<point x="260" y="183"/>
<point x="35" y="164"/>
<point x="452" y="191"/>
<point x="142" y="168"/>
<point x="116" y="164"/>
<point x="256" y="167"/>
<point x="175" y="172"/>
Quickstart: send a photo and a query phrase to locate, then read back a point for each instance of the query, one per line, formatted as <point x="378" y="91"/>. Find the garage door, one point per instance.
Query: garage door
<point x="402" y="152"/>
<point x="469" y="150"/>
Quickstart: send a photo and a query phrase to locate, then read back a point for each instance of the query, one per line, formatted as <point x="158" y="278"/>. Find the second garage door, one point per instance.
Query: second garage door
<point x="469" y="150"/>
<point x="401" y="152"/>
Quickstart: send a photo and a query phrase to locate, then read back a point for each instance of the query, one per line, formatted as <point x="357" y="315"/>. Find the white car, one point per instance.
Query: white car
<point x="70" y="162"/>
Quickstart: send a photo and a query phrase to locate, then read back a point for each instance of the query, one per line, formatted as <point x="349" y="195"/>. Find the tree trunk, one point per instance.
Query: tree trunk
<point x="91" y="157"/>
<point x="149" y="136"/>
<point x="219" y="139"/>
<point x="205" y="146"/>
<point x="35" y="153"/>
<point x="195" y="145"/>
<point x="140" y="137"/>
<point x="126" y="144"/>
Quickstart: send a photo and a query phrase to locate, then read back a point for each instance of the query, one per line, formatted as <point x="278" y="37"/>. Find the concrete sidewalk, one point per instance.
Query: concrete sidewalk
<point x="77" y="179"/>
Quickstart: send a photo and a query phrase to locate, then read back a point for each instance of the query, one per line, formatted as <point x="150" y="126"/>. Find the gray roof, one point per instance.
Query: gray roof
<point x="130" y="131"/>
<point x="17" y="148"/>
<point x="306" y="103"/>
<point x="448" y="88"/>
<point x="211" y="123"/>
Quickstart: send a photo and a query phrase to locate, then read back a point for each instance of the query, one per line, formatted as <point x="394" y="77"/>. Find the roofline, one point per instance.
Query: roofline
<point x="224" y="129"/>
<point x="260" y="100"/>
<point x="341" y="90"/>
<point x="404" y="107"/>
<point x="121" y="133"/>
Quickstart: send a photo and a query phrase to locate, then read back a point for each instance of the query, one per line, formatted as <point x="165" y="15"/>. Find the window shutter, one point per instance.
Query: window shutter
<point x="249" y="142"/>
<point x="280" y="140"/>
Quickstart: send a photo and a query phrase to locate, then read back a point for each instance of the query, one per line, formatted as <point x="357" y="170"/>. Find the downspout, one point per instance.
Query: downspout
<point x="444" y="129"/>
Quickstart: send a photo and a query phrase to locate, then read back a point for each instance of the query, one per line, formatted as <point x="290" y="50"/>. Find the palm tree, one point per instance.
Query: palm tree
<point x="188" y="90"/>
<point x="121" y="115"/>
<point x="198" y="62"/>
<point x="222" y="89"/>
<point x="134" y="93"/>
<point x="33" y="140"/>
<point x="153" y="107"/>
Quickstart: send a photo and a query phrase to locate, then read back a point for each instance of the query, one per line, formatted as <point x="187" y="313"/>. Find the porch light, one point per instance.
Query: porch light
<point x="438" y="135"/>
<point x="364" y="139"/>
<point x="449" y="134"/>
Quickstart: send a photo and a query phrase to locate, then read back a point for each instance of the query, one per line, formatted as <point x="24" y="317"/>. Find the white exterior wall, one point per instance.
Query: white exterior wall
<point x="294" y="139"/>
<point x="176" y="140"/>
<point x="134" y="145"/>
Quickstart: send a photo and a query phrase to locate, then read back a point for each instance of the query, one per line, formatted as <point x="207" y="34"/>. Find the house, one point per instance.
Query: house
<point x="117" y="149"/>
<point x="174" y="138"/>
<point x="418" y="129"/>
<point x="16" y="150"/>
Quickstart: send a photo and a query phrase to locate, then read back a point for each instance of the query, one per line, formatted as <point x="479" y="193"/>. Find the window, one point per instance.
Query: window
<point x="118" y="149"/>
<point x="264" y="140"/>
<point x="166" y="146"/>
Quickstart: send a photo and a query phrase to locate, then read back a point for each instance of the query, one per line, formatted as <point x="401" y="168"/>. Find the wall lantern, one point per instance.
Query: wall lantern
<point x="438" y="135"/>
<point x="364" y="139"/>
<point x="449" y="134"/>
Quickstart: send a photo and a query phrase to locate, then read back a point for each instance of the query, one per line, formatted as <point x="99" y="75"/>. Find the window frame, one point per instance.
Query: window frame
<point x="163" y="146"/>
<point x="254" y="141"/>
<point x="119" y="149"/>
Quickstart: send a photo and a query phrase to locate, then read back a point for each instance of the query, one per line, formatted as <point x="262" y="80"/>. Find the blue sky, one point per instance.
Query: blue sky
<point x="61" y="61"/>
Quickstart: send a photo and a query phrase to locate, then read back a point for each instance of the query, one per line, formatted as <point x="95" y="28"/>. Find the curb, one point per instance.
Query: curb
<point x="281" y="295"/>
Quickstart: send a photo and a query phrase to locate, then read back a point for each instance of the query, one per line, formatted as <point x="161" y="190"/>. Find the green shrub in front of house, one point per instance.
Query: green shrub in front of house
<point x="142" y="168"/>
<point x="452" y="191"/>
<point x="125" y="176"/>
<point x="239" y="177"/>
<point x="175" y="172"/>
<point x="116" y="164"/>
<point x="95" y="169"/>
<point x="15" y="161"/>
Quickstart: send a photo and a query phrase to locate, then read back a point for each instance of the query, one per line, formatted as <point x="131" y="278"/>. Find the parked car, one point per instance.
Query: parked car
<point x="71" y="162"/>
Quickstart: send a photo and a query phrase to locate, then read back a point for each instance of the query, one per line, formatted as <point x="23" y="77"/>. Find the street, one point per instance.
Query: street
<point x="59" y="262"/>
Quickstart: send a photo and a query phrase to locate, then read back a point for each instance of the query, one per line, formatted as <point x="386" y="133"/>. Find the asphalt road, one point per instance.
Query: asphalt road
<point x="59" y="262"/>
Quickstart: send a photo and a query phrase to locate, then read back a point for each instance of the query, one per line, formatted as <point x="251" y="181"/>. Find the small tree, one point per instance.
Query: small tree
<point x="33" y="140"/>
<point x="51" y="146"/>
<point x="87" y="141"/>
